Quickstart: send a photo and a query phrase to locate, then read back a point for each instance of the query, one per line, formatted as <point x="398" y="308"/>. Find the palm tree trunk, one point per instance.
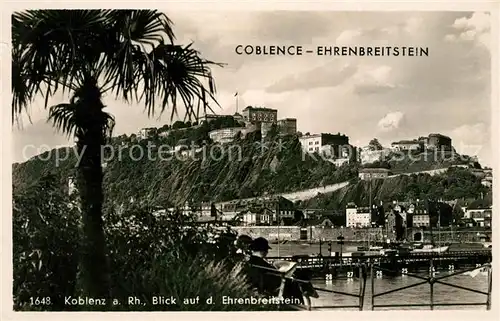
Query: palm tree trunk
<point x="94" y="265"/>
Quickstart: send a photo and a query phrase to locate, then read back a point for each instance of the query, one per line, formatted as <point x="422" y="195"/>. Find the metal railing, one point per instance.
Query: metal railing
<point x="431" y="280"/>
<point x="307" y="306"/>
<point x="373" y="268"/>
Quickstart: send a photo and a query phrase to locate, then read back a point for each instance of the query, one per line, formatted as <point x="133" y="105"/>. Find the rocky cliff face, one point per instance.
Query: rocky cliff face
<point x="244" y="169"/>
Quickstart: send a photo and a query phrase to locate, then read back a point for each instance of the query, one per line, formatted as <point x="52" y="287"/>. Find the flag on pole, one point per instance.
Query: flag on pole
<point x="236" y="94"/>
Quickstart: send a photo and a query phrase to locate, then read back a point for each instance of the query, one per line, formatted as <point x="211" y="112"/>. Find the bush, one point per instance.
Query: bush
<point x="45" y="238"/>
<point x="196" y="280"/>
<point x="150" y="254"/>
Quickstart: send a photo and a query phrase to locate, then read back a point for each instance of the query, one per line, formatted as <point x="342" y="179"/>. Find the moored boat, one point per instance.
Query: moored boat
<point x="429" y="248"/>
<point x="487" y="245"/>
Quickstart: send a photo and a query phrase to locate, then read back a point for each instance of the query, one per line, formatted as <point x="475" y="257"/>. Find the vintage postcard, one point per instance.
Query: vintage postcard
<point x="254" y="159"/>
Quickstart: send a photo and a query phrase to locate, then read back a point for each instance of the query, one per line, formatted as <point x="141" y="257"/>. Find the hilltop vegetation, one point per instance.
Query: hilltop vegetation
<point x="246" y="169"/>
<point x="192" y="133"/>
<point x="410" y="162"/>
<point x="456" y="183"/>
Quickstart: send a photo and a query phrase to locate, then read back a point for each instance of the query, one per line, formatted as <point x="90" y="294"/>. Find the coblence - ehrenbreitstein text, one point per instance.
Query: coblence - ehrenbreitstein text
<point x="294" y="50"/>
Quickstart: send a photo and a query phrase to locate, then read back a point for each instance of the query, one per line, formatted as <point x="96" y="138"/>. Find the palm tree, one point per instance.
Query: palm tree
<point x="87" y="54"/>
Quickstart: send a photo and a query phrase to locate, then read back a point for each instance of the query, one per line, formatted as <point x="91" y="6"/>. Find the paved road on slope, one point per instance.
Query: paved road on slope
<point x="309" y="193"/>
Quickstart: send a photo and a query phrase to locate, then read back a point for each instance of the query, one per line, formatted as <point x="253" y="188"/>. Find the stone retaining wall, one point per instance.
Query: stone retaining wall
<point x="315" y="234"/>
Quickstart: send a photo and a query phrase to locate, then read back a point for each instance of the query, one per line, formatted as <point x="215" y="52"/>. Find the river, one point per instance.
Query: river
<point x="416" y="295"/>
<point x="293" y="248"/>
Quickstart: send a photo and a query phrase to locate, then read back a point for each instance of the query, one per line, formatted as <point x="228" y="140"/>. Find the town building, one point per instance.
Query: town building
<point x="287" y="126"/>
<point x="460" y="165"/>
<point x="418" y="215"/>
<point x="225" y="135"/>
<point x="327" y="143"/>
<point x="279" y="207"/>
<point x="250" y="218"/>
<point x="421" y="220"/>
<point x="357" y="217"/>
<point x="487" y="181"/>
<point x="340" y="161"/>
<point x="145" y="133"/>
<point x="407" y="145"/>
<point x="201" y="209"/>
<point x="482" y="218"/>
<point x="477" y="172"/>
<point x="433" y="141"/>
<point x="259" y="115"/>
<point x="238" y="117"/>
<point x="470" y="212"/>
<point x="210" y="117"/>
<point x="417" y="208"/>
<point x="261" y="211"/>
<point x="394" y="224"/>
<point x="265" y="128"/>
<point x="232" y="208"/>
<point x="424" y="141"/>
<point x="367" y="156"/>
<point x="373" y="173"/>
<point x="438" y="141"/>
<point x="401" y="209"/>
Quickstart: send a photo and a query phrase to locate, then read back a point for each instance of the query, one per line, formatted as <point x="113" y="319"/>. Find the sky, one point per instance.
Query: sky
<point x="390" y="98"/>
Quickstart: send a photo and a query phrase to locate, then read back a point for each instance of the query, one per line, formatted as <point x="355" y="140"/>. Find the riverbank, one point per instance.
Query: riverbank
<point x="304" y="248"/>
<point x="315" y="234"/>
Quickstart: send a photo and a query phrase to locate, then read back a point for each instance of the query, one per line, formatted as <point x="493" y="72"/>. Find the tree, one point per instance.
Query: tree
<point x="298" y="216"/>
<point x="374" y="144"/>
<point x="213" y="210"/>
<point x="87" y="54"/>
<point x="178" y="125"/>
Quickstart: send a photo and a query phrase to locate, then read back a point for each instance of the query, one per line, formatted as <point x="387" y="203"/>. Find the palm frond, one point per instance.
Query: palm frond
<point x="172" y="73"/>
<point x="108" y="124"/>
<point x="50" y="49"/>
<point x="130" y="51"/>
<point x="137" y="33"/>
<point x="22" y="94"/>
<point x="72" y="119"/>
<point x="63" y="117"/>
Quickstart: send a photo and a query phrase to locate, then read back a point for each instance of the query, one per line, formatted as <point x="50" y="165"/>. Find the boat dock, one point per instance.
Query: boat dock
<point x="402" y="263"/>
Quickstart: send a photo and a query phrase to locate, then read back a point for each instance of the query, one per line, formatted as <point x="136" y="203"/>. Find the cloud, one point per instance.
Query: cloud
<point x="326" y="93"/>
<point x="373" y="80"/>
<point x="476" y="133"/>
<point x="391" y="121"/>
<point x="476" y="28"/>
<point x="330" y="75"/>
<point x="35" y="139"/>
<point x="413" y="25"/>
<point x="479" y="21"/>
<point x="348" y="37"/>
<point x="473" y="139"/>
<point x="371" y="89"/>
<point x="291" y="27"/>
